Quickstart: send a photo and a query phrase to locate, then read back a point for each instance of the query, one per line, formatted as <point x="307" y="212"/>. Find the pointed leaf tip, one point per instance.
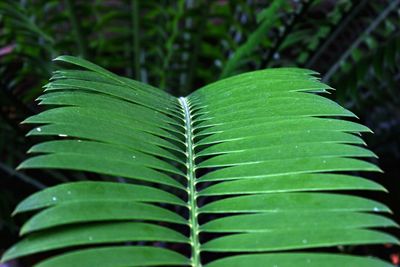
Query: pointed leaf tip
<point x="63" y="58"/>
<point x="20" y="166"/>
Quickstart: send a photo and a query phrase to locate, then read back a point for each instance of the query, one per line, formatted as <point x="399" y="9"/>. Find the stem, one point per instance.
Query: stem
<point x="191" y="187"/>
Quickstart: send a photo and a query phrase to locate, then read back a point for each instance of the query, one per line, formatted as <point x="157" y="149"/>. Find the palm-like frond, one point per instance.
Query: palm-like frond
<point x="240" y="166"/>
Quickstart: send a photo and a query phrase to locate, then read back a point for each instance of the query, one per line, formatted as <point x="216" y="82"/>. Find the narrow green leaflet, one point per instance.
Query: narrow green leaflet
<point x="283" y="220"/>
<point x="95" y="191"/>
<point x="118" y="257"/>
<point x="292" y="202"/>
<point x="296" y="239"/>
<point x="93" y="211"/>
<point x="92" y="234"/>
<point x="291" y="183"/>
<point x="299" y="259"/>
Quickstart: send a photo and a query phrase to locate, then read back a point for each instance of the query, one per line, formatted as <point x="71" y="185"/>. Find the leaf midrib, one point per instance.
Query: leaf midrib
<point x="191" y="184"/>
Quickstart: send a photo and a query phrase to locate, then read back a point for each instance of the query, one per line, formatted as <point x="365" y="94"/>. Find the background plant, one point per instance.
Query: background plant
<point x="182" y="45"/>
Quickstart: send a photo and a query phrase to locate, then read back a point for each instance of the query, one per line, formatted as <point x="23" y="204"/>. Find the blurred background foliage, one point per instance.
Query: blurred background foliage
<point x="184" y="44"/>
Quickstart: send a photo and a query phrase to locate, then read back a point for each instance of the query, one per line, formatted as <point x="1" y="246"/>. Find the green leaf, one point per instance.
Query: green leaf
<point x="278" y="167"/>
<point x="99" y="164"/>
<point x="274" y="139"/>
<point x="292" y="202"/>
<point x="83" y="148"/>
<point x="296" y="239"/>
<point x="86" y="99"/>
<point x="91" y="234"/>
<point x="118" y="257"/>
<point x="246" y="164"/>
<point x="101" y="132"/>
<point x="285" y="152"/>
<point x="300" y="259"/>
<point x="84" y="115"/>
<point x="135" y="96"/>
<point x="95" y="191"/>
<point x="291" y="183"/>
<point x="307" y="220"/>
<point x="93" y="211"/>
